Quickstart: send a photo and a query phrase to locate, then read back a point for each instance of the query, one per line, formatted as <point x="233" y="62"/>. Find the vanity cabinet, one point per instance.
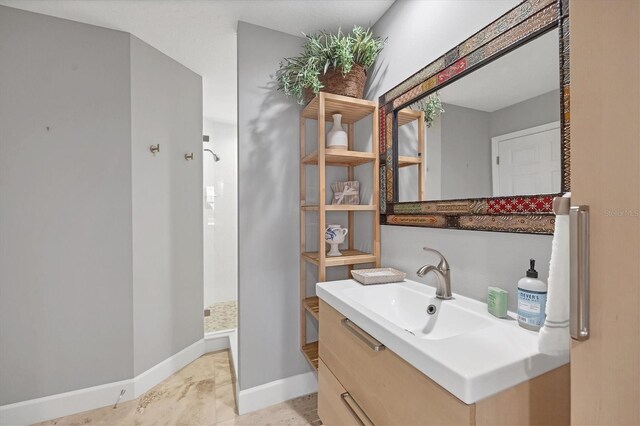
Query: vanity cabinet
<point x="361" y="385"/>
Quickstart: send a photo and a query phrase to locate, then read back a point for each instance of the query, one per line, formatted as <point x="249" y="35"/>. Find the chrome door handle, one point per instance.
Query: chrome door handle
<point x="362" y="335"/>
<point x="350" y="403"/>
<point x="579" y="272"/>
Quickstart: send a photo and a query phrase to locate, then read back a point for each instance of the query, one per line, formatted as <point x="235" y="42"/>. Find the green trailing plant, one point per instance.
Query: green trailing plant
<point x="431" y="106"/>
<point x="323" y="51"/>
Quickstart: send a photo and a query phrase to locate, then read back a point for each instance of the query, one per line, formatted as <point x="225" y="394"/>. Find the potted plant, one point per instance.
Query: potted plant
<point x="334" y="63"/>
<point x="431" y="106"/>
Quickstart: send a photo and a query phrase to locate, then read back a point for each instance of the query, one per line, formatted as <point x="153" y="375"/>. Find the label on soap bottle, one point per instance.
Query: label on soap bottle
<point x="531" y="306"/>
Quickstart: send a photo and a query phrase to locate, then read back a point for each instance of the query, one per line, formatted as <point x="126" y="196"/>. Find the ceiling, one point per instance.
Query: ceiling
<point x="529" y="71"/>
<point x="201" y="34"/>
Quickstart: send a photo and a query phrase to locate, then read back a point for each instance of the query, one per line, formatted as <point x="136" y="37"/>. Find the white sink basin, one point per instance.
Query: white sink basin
<point x="461" y="346"/>
<point x="408" y="309"/>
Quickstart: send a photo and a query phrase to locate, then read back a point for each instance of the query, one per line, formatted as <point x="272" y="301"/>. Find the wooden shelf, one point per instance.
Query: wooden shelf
<point x="340" y="157"/>
<point x="343" y="208"/>
<point x="349" y="257"/>
<point x="312" y="305"/>
<point x="352" y="109"/>
<point x="310" y="351"/>
<point x="406" y="116"/>
<point x="404" y="161"/>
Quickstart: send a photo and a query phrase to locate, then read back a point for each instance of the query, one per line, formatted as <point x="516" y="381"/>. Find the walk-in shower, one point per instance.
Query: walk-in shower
<point x="220" y="277"/>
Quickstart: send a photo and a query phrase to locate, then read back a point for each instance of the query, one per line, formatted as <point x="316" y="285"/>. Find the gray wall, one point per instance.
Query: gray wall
<point x="478" y="259"/>
<point x="533" y="112"/>
<point x="166" y="108"/>
<point x="100" y="242"/>
<point x="268" y="157"/>
<point x="465" y="153"/>
<point x="65" y="206"/>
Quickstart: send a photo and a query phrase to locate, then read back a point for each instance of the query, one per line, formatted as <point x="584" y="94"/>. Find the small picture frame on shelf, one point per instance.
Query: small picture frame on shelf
<point x="346" y="193"/>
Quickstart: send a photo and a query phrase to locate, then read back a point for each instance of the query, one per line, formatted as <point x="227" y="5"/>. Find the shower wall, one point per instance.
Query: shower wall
<point x="221" y="217"/>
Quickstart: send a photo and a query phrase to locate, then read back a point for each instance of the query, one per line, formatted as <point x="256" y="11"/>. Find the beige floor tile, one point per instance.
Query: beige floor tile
<point x="192" y="403"/>
<point x="122" y="414"/>
<point x="200" y="369"/>
<point x="223" y="368"/>
<point x="300" y="411"/>
<point x="221" y="356"/>
<point x="226" y="402"/>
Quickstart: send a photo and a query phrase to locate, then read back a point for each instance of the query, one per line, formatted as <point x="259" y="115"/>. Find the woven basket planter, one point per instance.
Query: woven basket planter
<point x="351" y="85"/>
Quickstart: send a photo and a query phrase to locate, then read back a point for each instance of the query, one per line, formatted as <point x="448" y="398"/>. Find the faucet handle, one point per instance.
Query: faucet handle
<point x="443" y="265"/>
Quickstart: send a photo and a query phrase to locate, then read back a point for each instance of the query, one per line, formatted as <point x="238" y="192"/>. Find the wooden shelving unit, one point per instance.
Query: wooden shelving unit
<point x="406" y="116"/>
<point x="349" y="257"/>
<point x="337" y="157"/>
<point x="341" y="208"/>
<point x="312" y="305"/>
<point x="321" y="108"/>
<point x="310" y="351"/>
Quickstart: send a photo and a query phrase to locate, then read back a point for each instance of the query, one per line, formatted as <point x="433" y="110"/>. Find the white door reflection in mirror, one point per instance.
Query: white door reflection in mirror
<point x="527" y="162"/>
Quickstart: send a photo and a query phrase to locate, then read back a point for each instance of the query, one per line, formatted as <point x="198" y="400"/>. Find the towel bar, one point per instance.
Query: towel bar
<point x="579" y="272"/>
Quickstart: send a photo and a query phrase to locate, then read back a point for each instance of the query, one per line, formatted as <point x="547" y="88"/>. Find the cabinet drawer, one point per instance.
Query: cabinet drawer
<point x="334" y="404"/>
<point x="387" y="388"/>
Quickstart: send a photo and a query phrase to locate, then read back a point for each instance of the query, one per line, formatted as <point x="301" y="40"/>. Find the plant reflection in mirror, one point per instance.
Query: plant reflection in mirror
<point x="431" y="106"/>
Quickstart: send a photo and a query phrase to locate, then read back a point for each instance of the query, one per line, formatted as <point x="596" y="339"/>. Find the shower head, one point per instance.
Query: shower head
<point x="215" y="156"/>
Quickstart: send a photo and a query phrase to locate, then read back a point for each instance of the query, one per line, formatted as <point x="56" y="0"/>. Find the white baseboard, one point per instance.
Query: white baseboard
<point x="63" y="404"/>
<point x="217" y="341"/>
<point x="159" y="372"/>
<point x="276" y="392"/>
<point x="233" y="347"/>
<point x="77" y="401"/>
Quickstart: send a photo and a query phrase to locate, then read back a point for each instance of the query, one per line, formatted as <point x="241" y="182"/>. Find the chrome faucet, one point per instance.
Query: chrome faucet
<point x="443" y="274"/>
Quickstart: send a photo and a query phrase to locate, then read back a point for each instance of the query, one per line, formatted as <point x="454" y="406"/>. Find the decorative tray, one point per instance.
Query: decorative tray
<point x="378" y="275"/>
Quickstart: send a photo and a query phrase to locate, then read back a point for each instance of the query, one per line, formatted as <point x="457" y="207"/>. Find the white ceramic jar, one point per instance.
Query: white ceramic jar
<point x="337" y="137"/>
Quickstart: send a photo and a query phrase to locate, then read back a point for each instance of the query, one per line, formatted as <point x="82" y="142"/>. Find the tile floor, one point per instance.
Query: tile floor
<point x="224" y="316"/>
<point x="202" y="393"/>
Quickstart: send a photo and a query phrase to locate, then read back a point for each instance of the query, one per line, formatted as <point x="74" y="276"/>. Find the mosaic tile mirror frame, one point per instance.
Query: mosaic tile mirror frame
<point x="522" y="214"/>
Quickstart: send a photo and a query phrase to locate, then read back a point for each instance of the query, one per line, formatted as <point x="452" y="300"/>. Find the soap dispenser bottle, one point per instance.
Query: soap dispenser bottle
<point x="532" y="299"/>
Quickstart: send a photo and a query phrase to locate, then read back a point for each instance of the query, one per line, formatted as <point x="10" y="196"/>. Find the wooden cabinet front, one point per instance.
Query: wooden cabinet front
<point x="334" y="406"/>
<point x="387" y="388"/>
<point x="384" y="389"/>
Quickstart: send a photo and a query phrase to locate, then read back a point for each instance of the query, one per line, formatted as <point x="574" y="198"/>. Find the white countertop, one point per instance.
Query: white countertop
<point x="473" y="365"/>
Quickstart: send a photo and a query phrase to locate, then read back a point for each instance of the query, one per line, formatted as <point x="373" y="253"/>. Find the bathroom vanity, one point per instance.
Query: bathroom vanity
<point x="489" y="151"/>
<point x="385" y="360"/>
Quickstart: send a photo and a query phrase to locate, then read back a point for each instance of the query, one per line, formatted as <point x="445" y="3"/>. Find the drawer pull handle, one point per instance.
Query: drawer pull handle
<point x="348" y="401"/>
<point x="362" y="335"/>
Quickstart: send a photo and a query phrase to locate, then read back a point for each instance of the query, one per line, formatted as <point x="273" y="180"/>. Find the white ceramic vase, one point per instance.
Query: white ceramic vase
<point x="337" y="137"/>
<point x="334" y="236"/>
